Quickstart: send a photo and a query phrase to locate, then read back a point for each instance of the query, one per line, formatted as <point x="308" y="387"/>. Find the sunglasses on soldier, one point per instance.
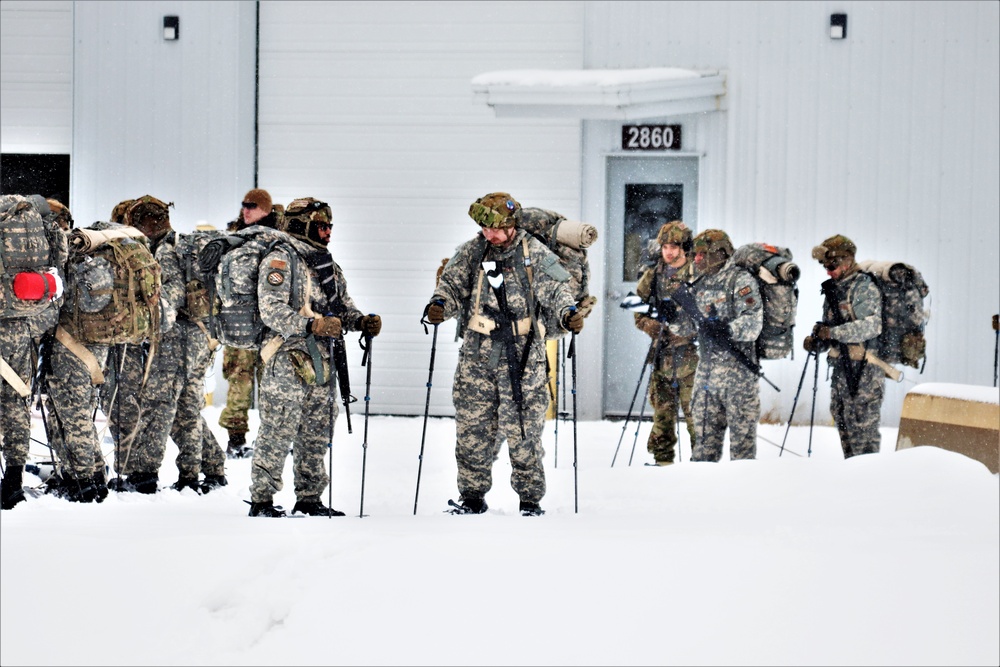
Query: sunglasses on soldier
<point x="249" y="205"/>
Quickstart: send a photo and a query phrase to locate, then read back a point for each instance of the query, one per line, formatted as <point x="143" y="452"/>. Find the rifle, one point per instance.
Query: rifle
<point x="683" y="298"/>
<point x="338" y="357"/>
<point x="504" y="333"/>
<point x="852" y="369"/>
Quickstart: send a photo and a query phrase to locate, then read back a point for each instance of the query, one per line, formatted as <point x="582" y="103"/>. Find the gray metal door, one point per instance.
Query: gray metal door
<point x="642" y="194"/>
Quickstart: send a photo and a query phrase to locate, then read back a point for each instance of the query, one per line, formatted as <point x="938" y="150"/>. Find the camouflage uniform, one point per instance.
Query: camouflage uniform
<point x="174" y="395"/>
<point x="674" y="360"/>
<point x="726" y="392"/>
<point x="295" y="410"/>
<point x="852" y="311"/>
<point x="482" y="392"/>
<point x="238" y="368"/>
<point x="18" y="348"/>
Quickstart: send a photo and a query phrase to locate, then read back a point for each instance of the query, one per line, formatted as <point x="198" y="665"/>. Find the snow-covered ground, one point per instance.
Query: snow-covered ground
<point x="887" y="559"/>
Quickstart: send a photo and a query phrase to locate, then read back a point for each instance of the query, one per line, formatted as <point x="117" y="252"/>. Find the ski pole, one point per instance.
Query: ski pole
<point x="366" y="360"/>
<point x="996" y="347"/>
<point x="796" y="400"/>
<point x="631" y="405"/>
<point x="427" y="408"/>
<point x="576" y="493"/>
<point x="559" y="373"/>
<point x="812" y="413"/>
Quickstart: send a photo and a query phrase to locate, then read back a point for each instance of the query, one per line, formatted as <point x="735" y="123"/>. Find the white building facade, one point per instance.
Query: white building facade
<point x="400" y="114"/>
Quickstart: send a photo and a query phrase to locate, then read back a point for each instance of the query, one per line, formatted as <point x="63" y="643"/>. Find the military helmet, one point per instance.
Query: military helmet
<point x="149" y="215"/>
<point x="713" y="241"/>
<point x="118" y="212"/>
<point x="303" y="219"/>
<point x="61" y="214"/>
<point x="497" y="210"/>
<point x="834" y="250"/>
<point x="676" y="233"/>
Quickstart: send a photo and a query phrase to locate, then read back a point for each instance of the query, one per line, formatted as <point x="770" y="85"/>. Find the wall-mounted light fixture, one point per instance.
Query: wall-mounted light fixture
<point x="838" y="26"/>
<point x="171" y="27"/>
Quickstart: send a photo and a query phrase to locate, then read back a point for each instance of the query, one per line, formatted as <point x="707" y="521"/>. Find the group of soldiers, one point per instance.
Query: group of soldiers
<point x="509" y="293"/>
<point x="704" y="361"/>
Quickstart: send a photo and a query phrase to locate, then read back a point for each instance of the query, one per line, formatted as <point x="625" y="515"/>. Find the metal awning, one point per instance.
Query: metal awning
<point x="601" y="93"/>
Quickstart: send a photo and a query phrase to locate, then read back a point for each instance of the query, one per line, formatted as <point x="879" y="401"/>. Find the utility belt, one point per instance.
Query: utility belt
<point x="858" y="352"/>
<point x="485" y="325"/>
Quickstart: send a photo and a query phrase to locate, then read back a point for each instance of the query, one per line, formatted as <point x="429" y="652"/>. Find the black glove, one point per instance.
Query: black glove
<point x="668" y="309"/>
<point x="371" y="325"/>
<point x="573" y="321"/>
<point x="712" y="327"/>
<point x="434" y="312"/>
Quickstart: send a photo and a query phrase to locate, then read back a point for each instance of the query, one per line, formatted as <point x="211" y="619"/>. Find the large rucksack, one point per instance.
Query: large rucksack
<point x="25" y="248"/>
<point x="567" y="239"/>
<point x="112" y="286"/>
<point x="232" y="259"/>
<point x="776" y="276"/>
<point x="903" y="315"/>
<point x="188" y="247"/>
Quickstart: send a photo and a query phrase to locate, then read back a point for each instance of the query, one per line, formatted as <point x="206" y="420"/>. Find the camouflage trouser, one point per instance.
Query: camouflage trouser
<point x="238" y="368"/>
<point x="727" y="395"/>
<point x="70" y="417"/>
<point x="15" y="412"/>
<point x="120" y="396"/>
<point x="663" y="396"/>
<point x="293" y="415"/>
<point x="171" y="403"/>
<point x="858" y="417"/>
<point x="485" y="414"/>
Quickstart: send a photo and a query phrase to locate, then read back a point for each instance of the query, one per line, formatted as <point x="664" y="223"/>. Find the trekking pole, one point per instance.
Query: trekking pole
<point x="561" y="350"/>
<point x="631" y="405"/>
<point x="576" y="493"/>
<point x="332" y="399"/>
<point x="796" y="400"/>
<point x="427" y="408"/>
<point x="642" y="413"/>
<point x="366" y="360"/>
<point x="812" y="413"/>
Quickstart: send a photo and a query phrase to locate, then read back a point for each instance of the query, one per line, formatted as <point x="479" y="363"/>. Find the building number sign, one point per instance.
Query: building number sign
<point x="651" y="137"/>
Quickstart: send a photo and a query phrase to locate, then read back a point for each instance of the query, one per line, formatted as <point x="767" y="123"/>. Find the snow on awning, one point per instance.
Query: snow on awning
<point x="600" y="93"/>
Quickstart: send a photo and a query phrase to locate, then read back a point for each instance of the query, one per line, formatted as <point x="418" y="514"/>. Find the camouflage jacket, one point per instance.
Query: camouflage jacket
<point x="674" y="354"/>
<point x="853" y="308"/>
<point x="465" y="292"/>
<point x="171" y="273"/>
<point x="732" y="296"/>
<point x="289" y="294"/>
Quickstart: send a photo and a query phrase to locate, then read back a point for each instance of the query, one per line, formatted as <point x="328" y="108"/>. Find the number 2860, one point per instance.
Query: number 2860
<point x="651" y="137"/>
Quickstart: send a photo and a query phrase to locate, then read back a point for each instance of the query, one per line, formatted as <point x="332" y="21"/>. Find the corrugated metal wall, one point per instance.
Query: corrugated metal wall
<point x="36" y="76"/>
<point x="889" y="136"/>
<point x="369" y="107"/>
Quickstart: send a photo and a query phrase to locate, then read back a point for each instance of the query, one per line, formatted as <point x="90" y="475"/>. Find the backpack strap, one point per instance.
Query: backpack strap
<point x="82" y="353"/>
<point x="13" y="379"/>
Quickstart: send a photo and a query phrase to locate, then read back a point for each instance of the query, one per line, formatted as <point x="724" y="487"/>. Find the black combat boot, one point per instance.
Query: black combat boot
<point x="143" y="482"/>
<point x="314" y="507"/>
<point x="187" y="483"/>
<point x="469" y="506"/>
<point x="212" y="482"/>
<point x="80" y="490"/>
<point x="12" y="487"/>
<point x="237" y="448"/>
<point x="529" y="508"/>
<point x="268" y="509"/>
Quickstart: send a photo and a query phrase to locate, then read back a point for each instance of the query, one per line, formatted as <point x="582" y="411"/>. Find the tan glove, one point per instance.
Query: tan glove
<point x="821" y="331"/>
<point x="371" y="325"/>
<point x="435" y="313"/>
<point x="326" y="326"/>
<point x="649" y="326"/>
<point x="573" y="321"/>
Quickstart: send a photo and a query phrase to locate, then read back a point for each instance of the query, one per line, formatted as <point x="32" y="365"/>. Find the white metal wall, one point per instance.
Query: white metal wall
<point x="889" y="136"/>
<point x="368" y="105"/>
<point x="36" y="76"/>
<point x="173" y="119"/>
